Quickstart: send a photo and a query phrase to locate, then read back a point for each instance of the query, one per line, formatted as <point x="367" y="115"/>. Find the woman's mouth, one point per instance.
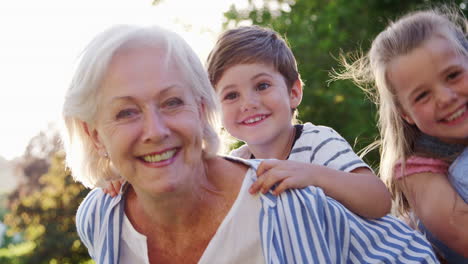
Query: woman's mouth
<point x="159" y="157"/>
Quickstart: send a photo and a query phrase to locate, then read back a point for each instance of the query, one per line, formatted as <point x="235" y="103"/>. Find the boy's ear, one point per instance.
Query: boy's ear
<point x="94" y="136"/>
<point x="295" y="96"/>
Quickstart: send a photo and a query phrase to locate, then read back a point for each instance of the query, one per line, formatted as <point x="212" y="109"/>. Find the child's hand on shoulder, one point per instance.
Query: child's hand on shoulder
<point x="113" y="187"/>
<point x="286" y="174"/>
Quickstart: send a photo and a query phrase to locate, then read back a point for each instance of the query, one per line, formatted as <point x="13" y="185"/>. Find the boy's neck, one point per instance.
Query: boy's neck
<point x="278" y="149"/>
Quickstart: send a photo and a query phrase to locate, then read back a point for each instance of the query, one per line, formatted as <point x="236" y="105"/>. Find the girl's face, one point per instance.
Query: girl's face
<point x="256" y="103"/>
<point x="427" y="82"/>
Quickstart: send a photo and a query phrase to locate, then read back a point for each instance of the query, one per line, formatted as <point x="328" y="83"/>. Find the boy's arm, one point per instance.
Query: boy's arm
<point x="360" y="190"/>
<point x="439" y="207"/>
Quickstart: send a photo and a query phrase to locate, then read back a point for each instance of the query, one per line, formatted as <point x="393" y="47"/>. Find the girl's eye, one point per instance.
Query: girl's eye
<point x="126" y="113"/>
<point x="231" y="96"/>
<point x="173" y="102"/>
<point x="262" y="86"/>
<point x="421" y="96"/>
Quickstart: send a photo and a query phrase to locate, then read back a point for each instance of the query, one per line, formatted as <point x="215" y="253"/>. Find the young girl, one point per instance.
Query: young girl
<point x="255" y="75"/>
<point x="419" y="68"/>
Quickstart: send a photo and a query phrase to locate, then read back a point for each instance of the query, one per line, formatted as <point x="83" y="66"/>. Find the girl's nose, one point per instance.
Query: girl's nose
<point x="155" y="128"/>
<point x="445" y="96"/>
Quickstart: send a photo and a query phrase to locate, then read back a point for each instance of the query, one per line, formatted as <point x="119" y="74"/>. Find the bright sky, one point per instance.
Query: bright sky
<point x="40" y="41"/>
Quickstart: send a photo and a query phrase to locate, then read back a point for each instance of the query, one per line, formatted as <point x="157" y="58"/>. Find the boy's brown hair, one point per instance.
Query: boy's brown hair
<point x="252" y="44"/>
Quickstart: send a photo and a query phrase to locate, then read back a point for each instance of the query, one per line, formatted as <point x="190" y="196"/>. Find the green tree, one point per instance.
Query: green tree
<point x="45" y="213"/>
<point x="318" y="31"/>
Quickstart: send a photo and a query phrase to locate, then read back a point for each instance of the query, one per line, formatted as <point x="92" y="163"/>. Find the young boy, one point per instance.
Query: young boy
<point x="255" y="76"/>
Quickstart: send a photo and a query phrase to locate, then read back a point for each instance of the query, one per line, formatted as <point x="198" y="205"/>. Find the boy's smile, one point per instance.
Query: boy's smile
<point x="254" y="119"/>
<point x="257" y="103"/>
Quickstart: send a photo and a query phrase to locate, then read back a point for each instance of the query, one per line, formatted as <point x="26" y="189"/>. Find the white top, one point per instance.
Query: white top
<point x="133" y="249"/>
<point x="237" y="239"/>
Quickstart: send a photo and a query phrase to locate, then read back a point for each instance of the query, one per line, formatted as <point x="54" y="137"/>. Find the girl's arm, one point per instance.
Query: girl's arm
<point x="442" y="211"/>
<point x="360" y="190"/>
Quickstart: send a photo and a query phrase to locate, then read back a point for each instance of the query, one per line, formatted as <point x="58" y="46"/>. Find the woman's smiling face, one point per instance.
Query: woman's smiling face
<point x="148" y="120"/>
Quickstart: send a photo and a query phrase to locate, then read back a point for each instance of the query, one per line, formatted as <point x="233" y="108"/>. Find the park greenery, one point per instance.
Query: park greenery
<point x="41" y="210"/>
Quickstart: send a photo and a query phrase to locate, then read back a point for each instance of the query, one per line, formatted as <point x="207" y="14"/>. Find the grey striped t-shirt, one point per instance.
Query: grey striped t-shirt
<point x="318" y="145"/>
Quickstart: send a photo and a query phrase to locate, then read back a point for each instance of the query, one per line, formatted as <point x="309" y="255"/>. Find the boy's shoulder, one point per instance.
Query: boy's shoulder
<point x="309" y="129"/>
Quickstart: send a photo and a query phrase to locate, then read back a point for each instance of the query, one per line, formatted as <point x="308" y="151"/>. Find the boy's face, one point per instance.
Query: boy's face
<point x="256" y="103"/>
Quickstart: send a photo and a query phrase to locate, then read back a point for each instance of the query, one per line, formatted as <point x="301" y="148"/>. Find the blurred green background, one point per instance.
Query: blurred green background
<point x="39" y="214"/>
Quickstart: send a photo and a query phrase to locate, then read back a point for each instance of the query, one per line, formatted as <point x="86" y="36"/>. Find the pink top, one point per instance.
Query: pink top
<point x="417" y="164"/>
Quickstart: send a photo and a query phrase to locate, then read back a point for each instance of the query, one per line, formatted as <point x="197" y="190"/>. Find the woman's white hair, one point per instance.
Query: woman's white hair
<point x="82" y="98"/>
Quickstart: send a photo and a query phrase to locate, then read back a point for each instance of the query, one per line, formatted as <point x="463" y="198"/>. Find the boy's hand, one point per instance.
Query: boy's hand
<point x="287" y="174"/>
<point x="113" y="188"/>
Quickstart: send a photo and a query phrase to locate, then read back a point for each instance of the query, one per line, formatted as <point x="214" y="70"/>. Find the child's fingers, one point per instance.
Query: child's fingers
<point x="265" y="166"/>
<point x="287" y="183"/>
<point x="116" y="186"/>
<point x="270" y="180"/>
<point x="265" y="182"/>
<point x="255" y="188"/>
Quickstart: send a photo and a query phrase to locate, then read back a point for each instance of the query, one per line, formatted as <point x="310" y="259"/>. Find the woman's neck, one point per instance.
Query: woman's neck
<point x="277" y="149"/>
<point x="212" y="190"/>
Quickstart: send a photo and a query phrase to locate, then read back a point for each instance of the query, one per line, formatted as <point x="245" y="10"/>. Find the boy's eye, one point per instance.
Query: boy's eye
<point x="126" y="113"/>
<point x="262" y="86"/>
<point x="230" y="96"/>
<point x="421" y="96"/>
<point x="173" y="102"/>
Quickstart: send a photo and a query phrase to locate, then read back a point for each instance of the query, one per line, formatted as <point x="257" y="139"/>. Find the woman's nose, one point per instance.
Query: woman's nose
<point x="155" y="128"/>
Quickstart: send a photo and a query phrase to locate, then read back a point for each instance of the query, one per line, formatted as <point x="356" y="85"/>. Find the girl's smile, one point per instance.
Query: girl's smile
<point x="427" y="82"/>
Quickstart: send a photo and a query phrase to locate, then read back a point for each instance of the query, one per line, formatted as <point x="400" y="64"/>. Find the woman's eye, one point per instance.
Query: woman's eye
<point x="173" y="102"/>
<point x="262" y="86"/>
<point x="231" y="96"/>
<point x="421" y="96"/>
<point x="453" y="75"/>
<point x="126" y="113"/>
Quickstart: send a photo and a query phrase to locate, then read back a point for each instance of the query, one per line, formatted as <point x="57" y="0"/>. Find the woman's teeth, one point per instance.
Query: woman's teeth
<point x="160" y="157"/>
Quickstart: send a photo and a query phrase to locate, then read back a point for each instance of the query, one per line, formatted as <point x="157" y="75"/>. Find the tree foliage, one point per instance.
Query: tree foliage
<point x="318" y="31"/>
<point x="43" y="208"/>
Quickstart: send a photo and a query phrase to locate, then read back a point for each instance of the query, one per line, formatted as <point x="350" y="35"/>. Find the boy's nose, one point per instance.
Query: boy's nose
<point x="154" y="128"/>
<point x="251" y="102"/>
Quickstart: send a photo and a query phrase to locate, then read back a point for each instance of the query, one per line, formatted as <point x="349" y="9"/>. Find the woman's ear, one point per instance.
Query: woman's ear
<point x="94" y="136"/>
<point x="295" y="96"/>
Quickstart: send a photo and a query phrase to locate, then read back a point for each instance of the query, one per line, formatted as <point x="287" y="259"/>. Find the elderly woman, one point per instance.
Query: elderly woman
<point x="141" y="106"/>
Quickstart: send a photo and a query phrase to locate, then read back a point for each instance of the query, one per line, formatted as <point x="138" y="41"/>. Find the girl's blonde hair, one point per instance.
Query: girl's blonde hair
<point x="82" y="97"/>
<point x="369" y="72"/>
